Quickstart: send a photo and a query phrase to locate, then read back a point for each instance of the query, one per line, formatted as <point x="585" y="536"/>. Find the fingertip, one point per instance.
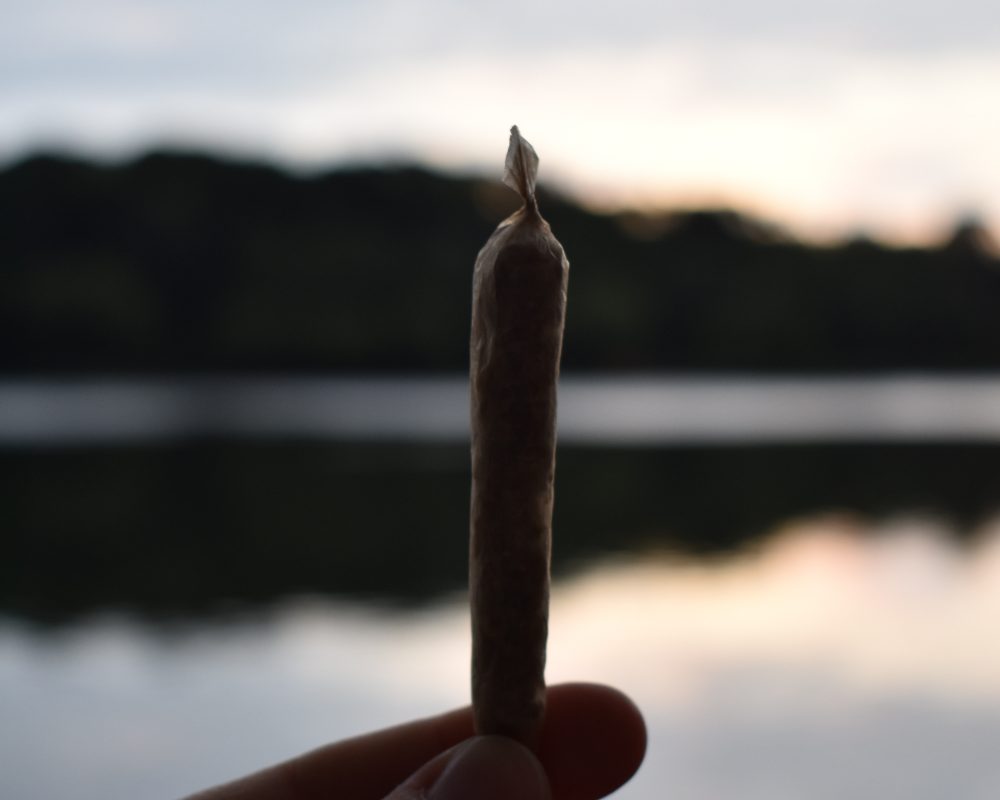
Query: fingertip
<point x="492" y="768"/>
<point x="593" y="740"/>
<point x="483" y="767"/>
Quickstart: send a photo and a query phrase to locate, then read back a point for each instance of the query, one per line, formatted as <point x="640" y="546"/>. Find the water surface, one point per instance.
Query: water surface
<point x="835" y="661"/>
<point x="593" y="409"/>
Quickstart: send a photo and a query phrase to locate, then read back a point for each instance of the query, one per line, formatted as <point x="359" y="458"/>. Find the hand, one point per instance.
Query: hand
<point x="592" y="741"/>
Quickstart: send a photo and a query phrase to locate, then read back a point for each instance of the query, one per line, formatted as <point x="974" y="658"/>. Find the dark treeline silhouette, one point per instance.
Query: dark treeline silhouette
<point x="186" y="262"/>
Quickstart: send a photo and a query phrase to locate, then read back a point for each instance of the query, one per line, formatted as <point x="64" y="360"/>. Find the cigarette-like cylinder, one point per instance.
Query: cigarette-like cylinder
<point x="518" y="315"/>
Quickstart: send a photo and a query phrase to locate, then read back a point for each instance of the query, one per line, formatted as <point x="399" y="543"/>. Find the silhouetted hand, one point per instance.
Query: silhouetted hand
<point x="592" y="741"/>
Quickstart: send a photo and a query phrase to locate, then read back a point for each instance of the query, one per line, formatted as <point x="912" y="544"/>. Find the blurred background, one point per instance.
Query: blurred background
<point x="236" y="246"/>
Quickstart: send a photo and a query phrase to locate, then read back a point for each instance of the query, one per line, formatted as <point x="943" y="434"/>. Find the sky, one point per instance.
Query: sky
<point x="834" y="118"/>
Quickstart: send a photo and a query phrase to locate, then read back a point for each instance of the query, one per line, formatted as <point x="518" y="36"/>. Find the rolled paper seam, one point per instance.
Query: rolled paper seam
<point x="518" y="316"/>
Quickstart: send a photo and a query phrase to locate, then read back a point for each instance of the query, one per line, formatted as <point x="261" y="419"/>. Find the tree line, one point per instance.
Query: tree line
<point x="186" y="262"/>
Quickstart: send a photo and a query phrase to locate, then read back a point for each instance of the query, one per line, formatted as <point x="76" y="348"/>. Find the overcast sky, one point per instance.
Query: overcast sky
<point x="834" y="117"/>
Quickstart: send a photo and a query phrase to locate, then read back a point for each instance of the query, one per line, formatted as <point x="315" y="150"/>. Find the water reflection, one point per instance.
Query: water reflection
<point x="198" y="527"/>
<point x="833" y="661"/>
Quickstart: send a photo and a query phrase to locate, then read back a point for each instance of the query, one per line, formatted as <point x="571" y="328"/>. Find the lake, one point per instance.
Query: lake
<point x="645" y="410"/>
<point x="797" y="579"/>
<point x="833" y="662"/>
<point x="112" y="489"/>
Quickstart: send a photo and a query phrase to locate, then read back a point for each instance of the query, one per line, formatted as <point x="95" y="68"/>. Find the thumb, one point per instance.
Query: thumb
<point x="481" y="768"/>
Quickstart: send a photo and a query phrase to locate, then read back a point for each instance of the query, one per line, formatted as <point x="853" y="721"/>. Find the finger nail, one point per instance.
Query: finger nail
<point x="491" y="768"/>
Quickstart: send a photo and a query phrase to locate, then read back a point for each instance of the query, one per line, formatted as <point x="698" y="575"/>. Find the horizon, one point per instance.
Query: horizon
<point x="652" y="213"/>
<point x="836" y="120"/>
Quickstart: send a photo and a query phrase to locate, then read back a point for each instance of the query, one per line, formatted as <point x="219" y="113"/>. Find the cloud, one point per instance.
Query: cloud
<point x="175" y="43"/>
